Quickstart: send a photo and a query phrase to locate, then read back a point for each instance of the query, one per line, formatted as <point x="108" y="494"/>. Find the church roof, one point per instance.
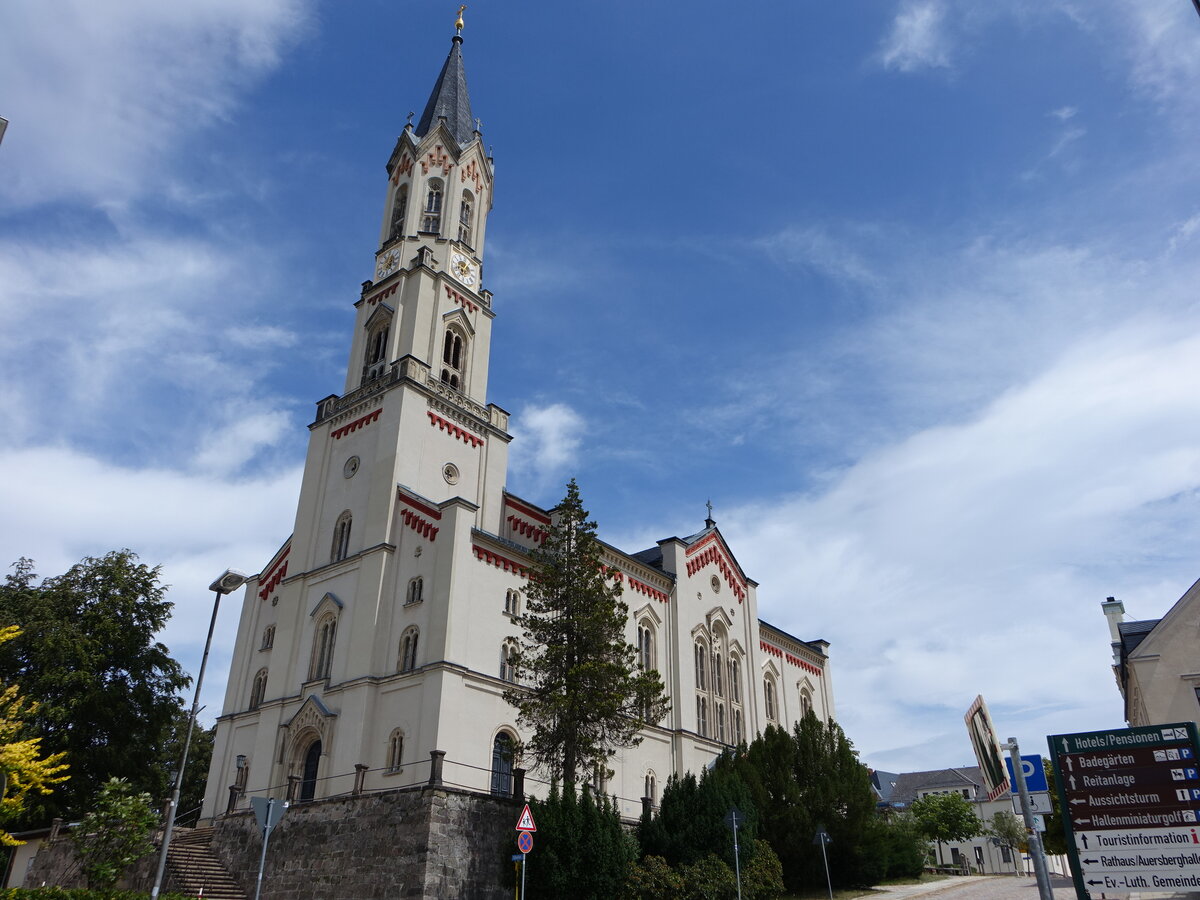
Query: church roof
<point x="1133" y="633"/>
<point x="449" y="99"/>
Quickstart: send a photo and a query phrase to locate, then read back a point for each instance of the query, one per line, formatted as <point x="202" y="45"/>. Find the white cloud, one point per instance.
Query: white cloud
<point x="546" y="443"/>
<point x="98" y="93"/>
<point x="1063" y="113"/>
<point x="918" y="38"/>
<point x="813" y="247"/>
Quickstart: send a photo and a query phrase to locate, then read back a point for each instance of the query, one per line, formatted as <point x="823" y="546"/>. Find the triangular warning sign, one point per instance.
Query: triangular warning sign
<point x="525" y="823"/>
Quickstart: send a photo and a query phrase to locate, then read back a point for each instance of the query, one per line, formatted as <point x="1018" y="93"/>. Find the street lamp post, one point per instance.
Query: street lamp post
<point x="229" y="581"/>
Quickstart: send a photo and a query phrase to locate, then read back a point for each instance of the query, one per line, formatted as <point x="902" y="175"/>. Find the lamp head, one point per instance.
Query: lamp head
<point x="241" y="760"/>
<point x="228" y="582"/>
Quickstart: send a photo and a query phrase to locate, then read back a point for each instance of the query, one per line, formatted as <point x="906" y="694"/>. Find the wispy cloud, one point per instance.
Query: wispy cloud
<point x="546" y="444"/>
<point x="918" y="38"/>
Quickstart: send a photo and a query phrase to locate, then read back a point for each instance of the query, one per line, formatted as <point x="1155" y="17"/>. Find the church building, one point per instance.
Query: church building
<point x="373" y="648"/>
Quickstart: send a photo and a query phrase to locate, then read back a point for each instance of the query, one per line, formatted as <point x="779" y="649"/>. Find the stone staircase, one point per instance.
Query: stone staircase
<point x="194" y="871"/>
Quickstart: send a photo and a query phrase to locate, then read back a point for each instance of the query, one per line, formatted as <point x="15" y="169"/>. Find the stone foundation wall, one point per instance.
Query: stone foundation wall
<point x="425" y="843"/>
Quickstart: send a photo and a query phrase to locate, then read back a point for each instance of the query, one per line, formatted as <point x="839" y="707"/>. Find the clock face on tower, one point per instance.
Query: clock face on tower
<point x="464" y="269"/>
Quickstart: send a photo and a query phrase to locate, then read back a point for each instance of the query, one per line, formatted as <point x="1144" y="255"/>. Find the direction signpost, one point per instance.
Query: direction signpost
<point x="1132" y="802"/>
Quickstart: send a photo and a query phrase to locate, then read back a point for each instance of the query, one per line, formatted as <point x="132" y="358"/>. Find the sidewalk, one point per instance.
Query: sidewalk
<point x="904" y="891"/>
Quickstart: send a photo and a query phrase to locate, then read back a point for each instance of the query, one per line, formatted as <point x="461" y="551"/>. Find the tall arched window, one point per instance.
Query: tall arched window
<point x="259" y="690"/>
<point x="721" y="722"/>
<point x="453" y="358"/>
<point x="645" y="647"/>
<point x="375" y="358"/>
<point x="399" y="210"/>
<point x="268" y="638"/>
<point x="416" y="589"/>
<point x="718" y="670"/>
<point x="512" y="602"/>
<point x="805" y="701"/>
<point x="502" y="764"/>
<point x="431" y="216"/>
<point x="466" y="215"/>
<point x="735" y="680"/>
<point x="341" y="537"/>
<point x="508" y="662"/>
<point x="322" y="653"/>
<point x="701" y="666"/>
<point x="395" y="752"/>
<point x="408" y="650"/>
<point x="308" y="777"/>
<point x="769" y="698"/>
<point x="702" y="716"/>
<point x="651" y="789"/>
<point x="738" y="735"/>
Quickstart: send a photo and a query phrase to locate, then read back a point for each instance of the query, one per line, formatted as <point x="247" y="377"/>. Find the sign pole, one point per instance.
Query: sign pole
<point x="262" y="858"/>
<point x="1035" y="839"/>
<point x="523" y="858"/>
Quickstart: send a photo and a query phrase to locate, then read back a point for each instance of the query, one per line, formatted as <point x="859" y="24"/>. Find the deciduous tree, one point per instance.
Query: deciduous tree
<point x="946" y="817"/>
<point x="583" y="694"/>
<point x="115" y="833"/>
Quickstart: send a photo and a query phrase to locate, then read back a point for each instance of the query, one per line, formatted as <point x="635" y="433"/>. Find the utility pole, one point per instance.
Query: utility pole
<point x="1045" y="892"/>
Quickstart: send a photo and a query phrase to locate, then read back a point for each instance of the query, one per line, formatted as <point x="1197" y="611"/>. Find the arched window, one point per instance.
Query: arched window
<point x="718" y="677"/>
<point x="453" y="359"/>
<point x="702" y="716"/>
<point x="322" y="653"/>
<point x="308" y="778"/>
<point x="395" y="752"/>
<point x="259" y="690"/>
<point x="399" y="209"/>
<point x="651" y="789"/>
<point x="721" y="722"/>
<point x="735" y="680"/>
<point x="341" y="537"/>
<point x="769" y="698"/>
<point x="416" y="588"/>
<point x="645" y="647"/>
<point x="701" y="667"/>
<point x="408" y="650"/>
<point x="375" y="358"/>
<point x="431" y="217"/>
<point x="512" y="602"/>
<point x="508" y="662"/>
<point x="738" y="734"/>
<point x="502" y="764"/>
<point x="268" y="639"/>
<point x="805" y="702"/>
<point x="600" y="779"/>
<point x="466" y="215"/>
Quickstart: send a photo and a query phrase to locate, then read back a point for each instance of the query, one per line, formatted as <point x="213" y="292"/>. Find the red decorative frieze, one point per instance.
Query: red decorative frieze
<point x="713" y="556"/>
<point x="527" y="529"/>
<point x="471" y="171"/>
<point x="461" y="433"/>
<point x="382" y="295"/>
<point x="436" y="157"/>
<point x="420" y="507"/>
<point x="421" y="526"/>
<point x="794" y="660"/>
<point x="269" y="580"/>
<point x="405" y="166"/>
<point x="500" y="561"/>
<point x="362" y="422"/>
<point x="652" y="593"/>
<point x="527" y="511"/>
<point x="464" y="302"/>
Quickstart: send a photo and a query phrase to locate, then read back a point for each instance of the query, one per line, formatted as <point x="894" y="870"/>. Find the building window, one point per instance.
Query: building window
<point x="375" y="357"/>
<point x="431" y="217"/>
<point x="395" y="753"/>
<point x="651" y="789"/>
<point x="769" y="698"/>
<point x="1005" y="853"/>
<point x="735" y="680"/>
<point x="701" y="667"/>
<point x="452" y="359"/>
<point x="408" y="650"/>
<point x="466" y="212"/>
<point x="322" y="655"/>
<point x="721" y="722"/>
<point x="259" y="690"/>
<point x="718" y="679"/>
<point x="268" y="638"/>
<point x="502" y="765"/>
<point x="645" y="647"/>
<point x="341" y="537"/>
<point x="738" y="734"/>
<point x="512" y="602"/>
<point x="508" y="662"/>
<point x="399" y="208"/>
<point x="416" y="588"/>
<point x="805" y="702"/>
<point x="702" y="716"/>
<point x="600" y="779"/>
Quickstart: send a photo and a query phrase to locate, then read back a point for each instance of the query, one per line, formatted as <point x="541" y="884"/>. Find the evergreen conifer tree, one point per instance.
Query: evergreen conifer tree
<point x="582" y="694"/>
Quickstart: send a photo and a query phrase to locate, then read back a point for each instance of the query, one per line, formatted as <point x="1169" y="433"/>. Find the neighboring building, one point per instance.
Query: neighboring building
<point x="1156" y="662"/>
<point x="379" y="631"/>
<point x="982" y="854"/>
<point x="882" y="785"/>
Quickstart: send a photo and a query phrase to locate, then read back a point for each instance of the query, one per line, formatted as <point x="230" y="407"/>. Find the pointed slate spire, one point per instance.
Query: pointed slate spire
<point x="449" y="99"/>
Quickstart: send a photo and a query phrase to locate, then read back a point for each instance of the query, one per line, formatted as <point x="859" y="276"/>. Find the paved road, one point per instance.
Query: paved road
<point x="975" y="887"/>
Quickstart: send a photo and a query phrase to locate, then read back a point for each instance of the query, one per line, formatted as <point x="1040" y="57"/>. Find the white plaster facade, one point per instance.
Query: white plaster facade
<point x="376" y="633"/>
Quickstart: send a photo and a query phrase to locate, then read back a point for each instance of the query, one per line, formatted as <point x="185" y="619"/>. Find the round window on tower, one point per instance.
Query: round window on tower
<point x="450" y="473"/>
<point x="351" y="466"/>
<point x="716" y="584"/>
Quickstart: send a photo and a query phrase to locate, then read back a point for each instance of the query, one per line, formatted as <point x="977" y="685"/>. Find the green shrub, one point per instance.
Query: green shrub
<point x="762" y="877"/>
<point x="653" y="879"/>
<point x="709" y="879"/>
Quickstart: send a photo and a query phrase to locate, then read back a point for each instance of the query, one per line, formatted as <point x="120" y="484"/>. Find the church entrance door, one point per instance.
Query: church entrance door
<point x="308" y="783"/>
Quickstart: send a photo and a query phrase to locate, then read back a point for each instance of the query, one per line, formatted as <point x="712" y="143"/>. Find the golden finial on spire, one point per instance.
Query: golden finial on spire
<point x="458" y="26"/>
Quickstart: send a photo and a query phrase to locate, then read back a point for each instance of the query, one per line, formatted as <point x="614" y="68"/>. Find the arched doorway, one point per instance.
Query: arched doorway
<point x="308" y="780"/>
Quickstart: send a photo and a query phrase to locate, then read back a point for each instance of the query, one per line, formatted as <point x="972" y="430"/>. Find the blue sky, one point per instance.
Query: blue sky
<point x="909" y="290"/>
